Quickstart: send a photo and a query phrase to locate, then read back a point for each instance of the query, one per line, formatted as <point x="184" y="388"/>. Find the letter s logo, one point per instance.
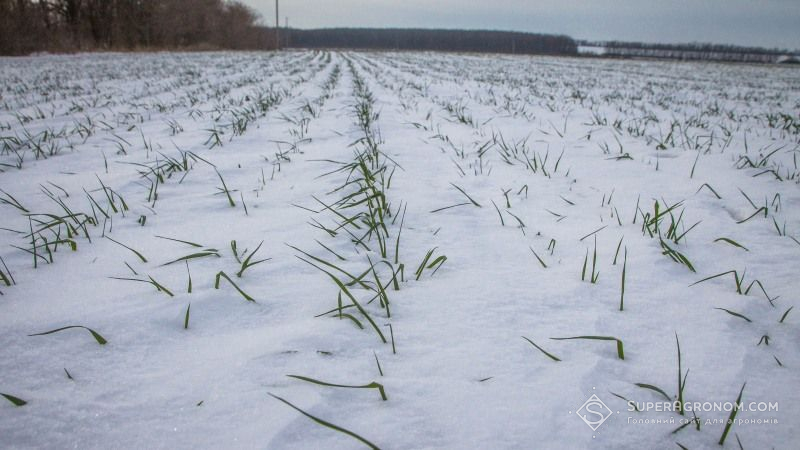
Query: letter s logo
<point x="594" y="412"/>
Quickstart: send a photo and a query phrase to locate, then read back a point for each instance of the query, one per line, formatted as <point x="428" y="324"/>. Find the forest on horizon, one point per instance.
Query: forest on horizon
<point x="65" y="26"/>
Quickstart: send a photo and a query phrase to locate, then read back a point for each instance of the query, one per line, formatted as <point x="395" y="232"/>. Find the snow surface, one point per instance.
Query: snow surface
<point x="591" y="50"/>
<point x="603" y="136"/>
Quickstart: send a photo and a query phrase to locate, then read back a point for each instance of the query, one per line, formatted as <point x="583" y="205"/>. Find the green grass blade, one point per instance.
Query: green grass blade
<point x="372" y="385"/>
<point x="181" y="241"/>
<point x="328" y="424"/>
<point x="629" y="402"/>
<point x="467" y="195"/>
<point x="100" y="339"/>
<point x="422" y="265"/>
<point x="144" y="260"/>
<point x="380" y="370"/>
<point x="448" y="207"/>
<point x="538" y="258"/>
<point x="15" y="400"/>
<point x="205" y="253"/>
<point x="593" y="233"/>
<point x="758" y="211"/>
<point x="502" y="222"/>
<point x="622" y="290"/>
<point x="708" y="186"/>
<point x="732" y="242"/>
<point x="358" y="306"/>
<point x="222" y="274"/>
<point x="716" y="276"/>
<point x="246" y="264"/>
<point x="160" y="287"/>
<point x="785" y="314"/>
<point x="741" y="316"/>
<point x="352" y="318"/>
<point x="731" y="417"/>
<point x="549" y="355"/>
<point x="654" y="389"/>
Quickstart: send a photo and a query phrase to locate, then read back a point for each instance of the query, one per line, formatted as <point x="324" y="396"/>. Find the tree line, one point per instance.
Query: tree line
<point x="691" y="51"/>
<point x="431" y="39"/>
<point x="28" y="26"/>
<point x="696" y="47"/>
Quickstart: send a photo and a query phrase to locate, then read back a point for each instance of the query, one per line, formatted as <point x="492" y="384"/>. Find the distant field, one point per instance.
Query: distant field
<point x="405" y="250"/>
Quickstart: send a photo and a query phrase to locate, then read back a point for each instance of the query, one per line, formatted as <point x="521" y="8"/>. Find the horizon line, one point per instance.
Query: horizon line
<point x="795" y="51"/>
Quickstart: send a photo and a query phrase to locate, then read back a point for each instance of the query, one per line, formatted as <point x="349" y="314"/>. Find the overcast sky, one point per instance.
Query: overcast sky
<point x="766" y="23"/>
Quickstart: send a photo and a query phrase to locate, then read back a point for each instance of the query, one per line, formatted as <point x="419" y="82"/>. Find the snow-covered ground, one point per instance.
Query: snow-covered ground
<point x="428" y="223"/>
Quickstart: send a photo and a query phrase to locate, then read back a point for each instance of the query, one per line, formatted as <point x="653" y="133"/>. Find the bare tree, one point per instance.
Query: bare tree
<point x="65" y="25"/>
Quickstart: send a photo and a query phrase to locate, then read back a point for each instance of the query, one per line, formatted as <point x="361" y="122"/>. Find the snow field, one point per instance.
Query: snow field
<point x="420" y="214"/>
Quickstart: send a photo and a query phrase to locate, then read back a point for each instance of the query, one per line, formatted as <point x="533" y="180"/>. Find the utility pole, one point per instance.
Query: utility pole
<point x="286" y="28"/>
<point x="277" y="28"/>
